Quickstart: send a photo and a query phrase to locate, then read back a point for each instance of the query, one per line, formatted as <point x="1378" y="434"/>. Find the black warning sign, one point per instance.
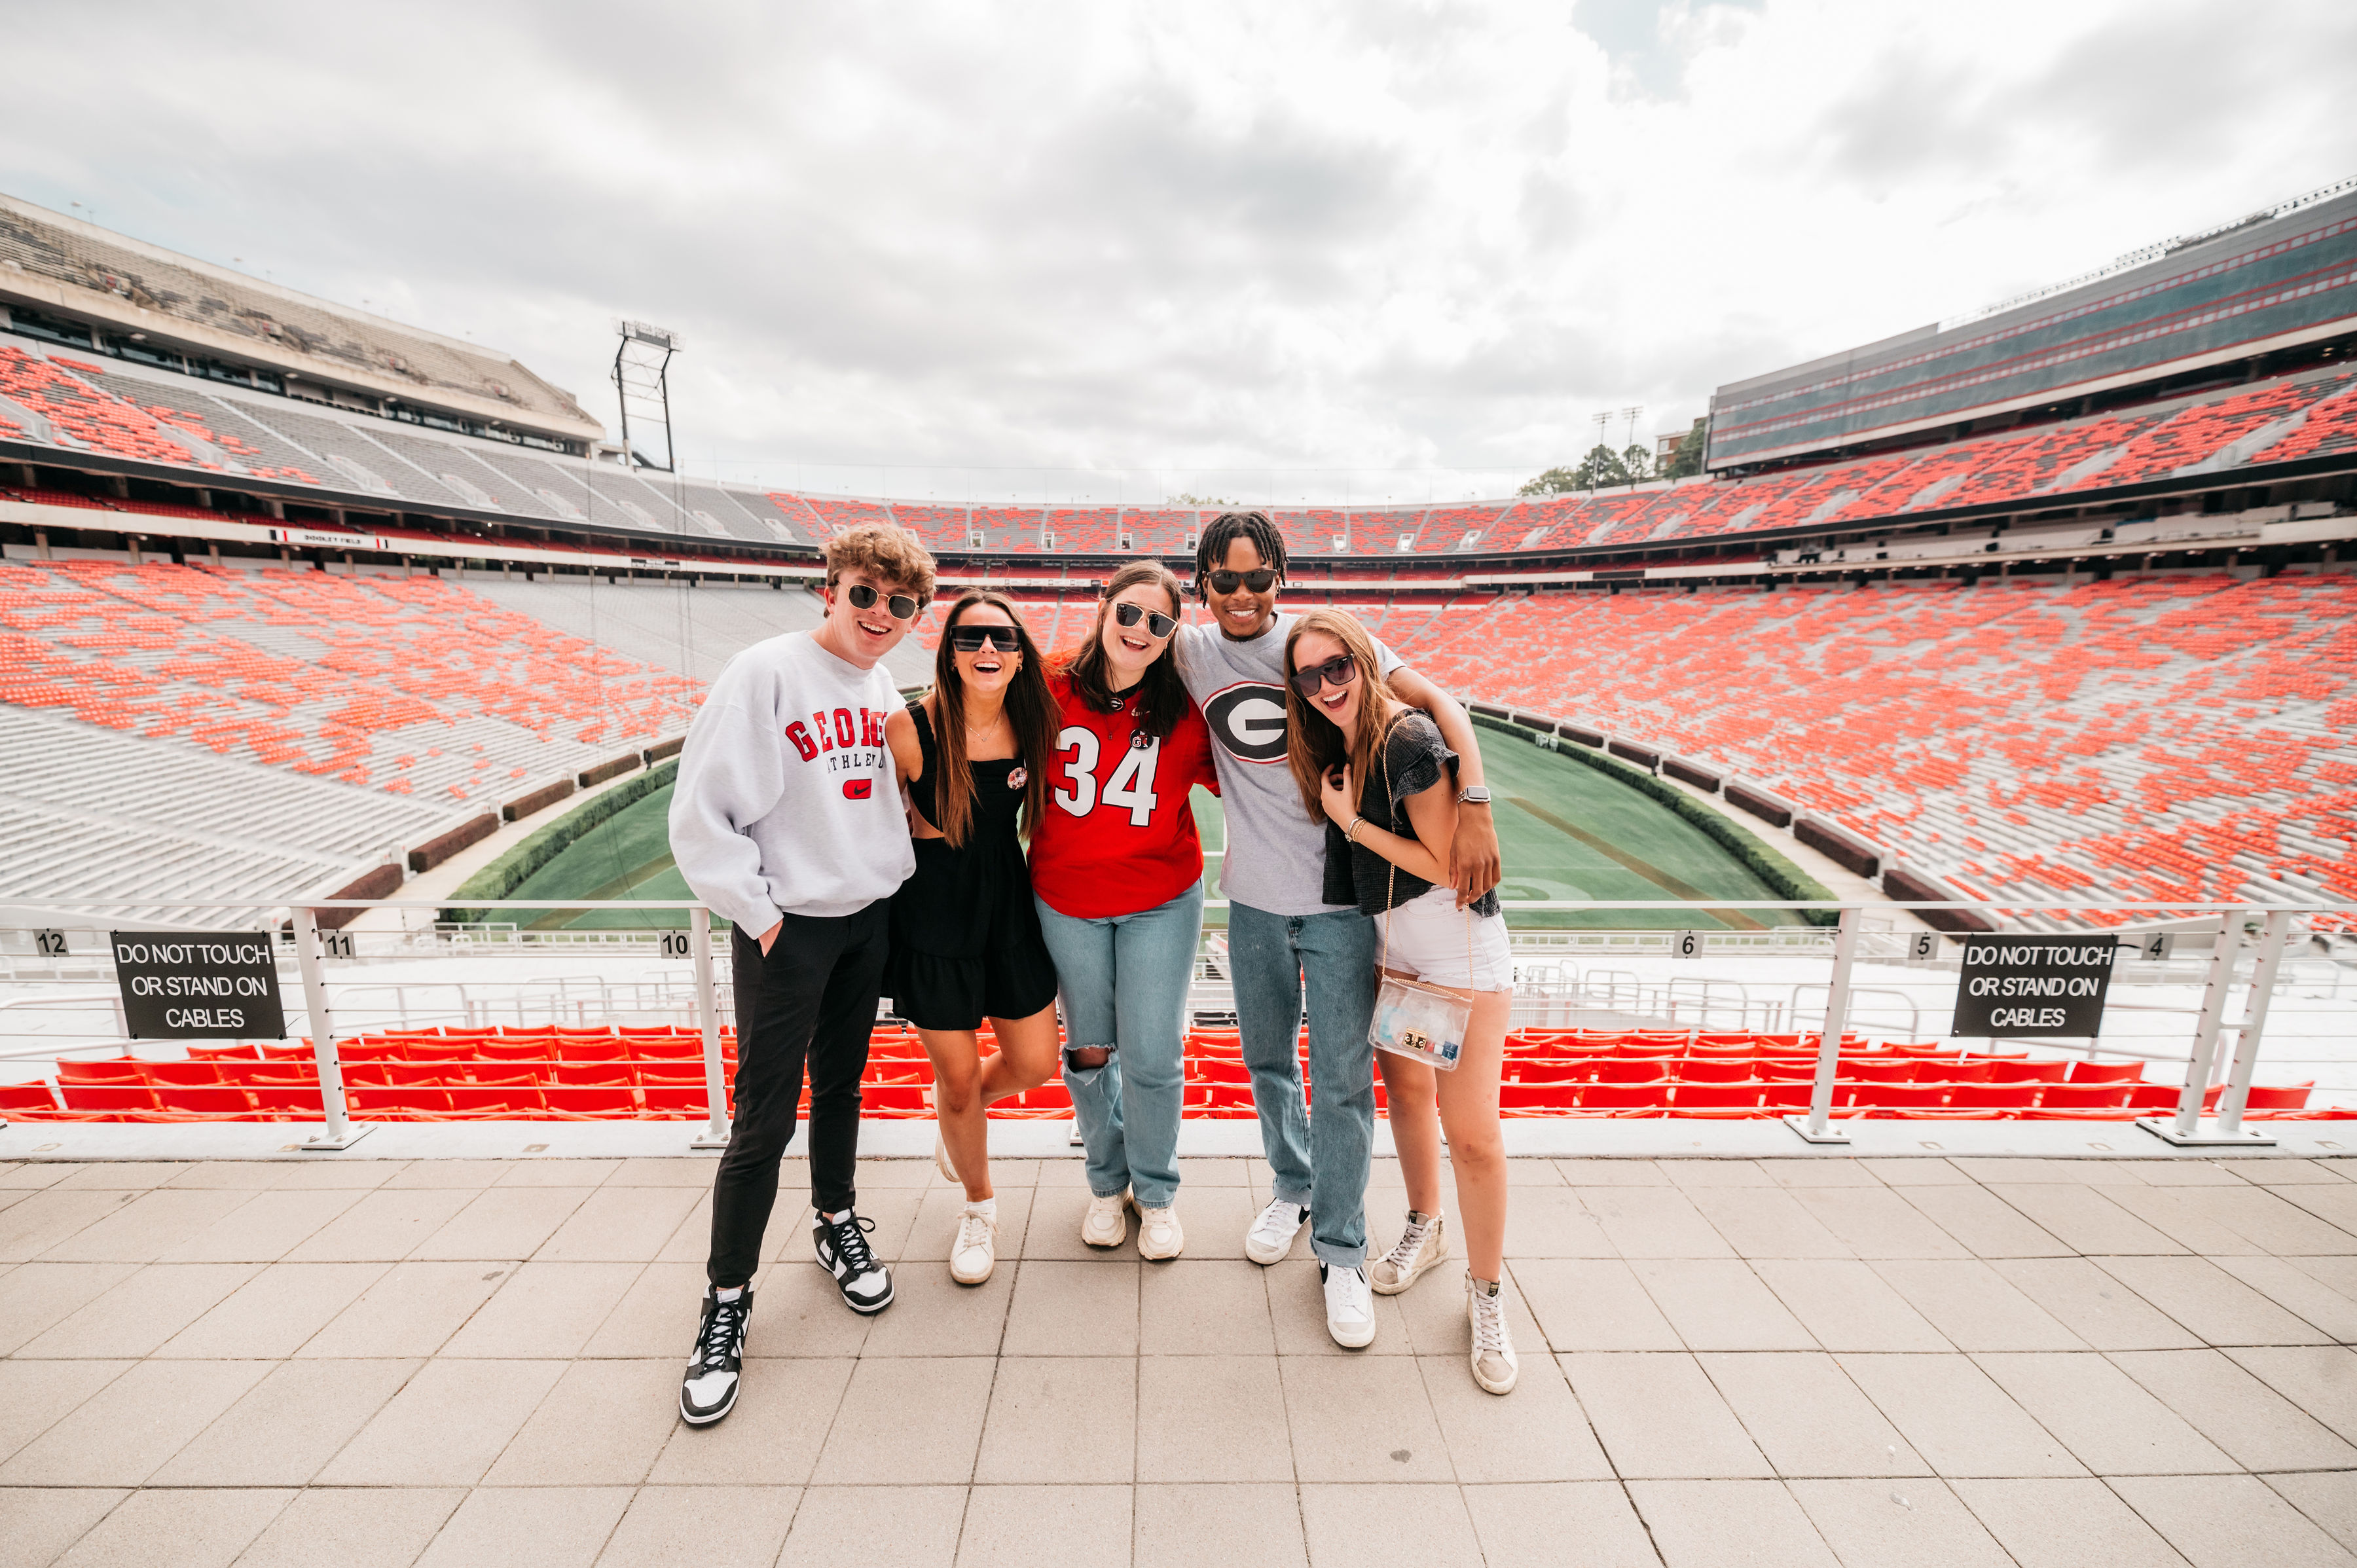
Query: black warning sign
<point x="2030" y="985"/>
<point x="199" y="985"/>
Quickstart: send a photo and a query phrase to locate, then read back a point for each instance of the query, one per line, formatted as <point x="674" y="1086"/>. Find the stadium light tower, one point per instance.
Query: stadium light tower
<point x="1631" y="414"/>
<point x="642" y="380"/>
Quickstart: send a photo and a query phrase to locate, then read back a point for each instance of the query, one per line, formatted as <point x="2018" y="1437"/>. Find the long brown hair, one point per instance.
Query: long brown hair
<point x="1161" y="695"/>
<point x="1029" y="709"/>
<point x="1313" y="743"/>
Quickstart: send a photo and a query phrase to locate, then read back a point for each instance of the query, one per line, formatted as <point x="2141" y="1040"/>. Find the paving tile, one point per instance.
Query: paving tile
<point x="2329" y="1499"/>
<point x="185" y="1529"/>
<point x="1197" y="1175"/>
<point x="1878" y="1223"/>
<point x="45" y="1220"/>
<point x="1528" y="1171"/>
<point x="2065" y="1524"/>
<point x="1354" y="1423"/>
<point x="657" y="1316"/>
<point x="1545" y="1223"/>
<point x="119" y="1434"/>
<point x="384" y="1226"/>
<point x="1213" y="1307"/>
<point x="800" y="1311"/>
<point x="2182" y="1172"/>
<point x="106" y="1175"/>
<point x="549" y="1526"/>
<point x="1827" y="1170"/>
<point x="1957" y="1419"/>
<point x="935" y="1226"/>
<point x="1641" y="1223"/>
<point x="835" y="1526"/>
<point x="1068" y="1418"/>
<point x="1691" y="1175"/>
<point x="2322" y="1381"/>
<point x="1236" y="1525"/>
<point x="474" y="1175"/>
<point x="559" y="1173"/>
<point x="2013" y="1170"/>
<point x="544" y="1309"/>
<point x="1984" y="1222"/>
<point x="311" y="1172"/>
<point x="44" y="1520"/>
<point x="1975" y="1306"/>
<point x="694" y="1171"/>
<point x="1537" y="1432"/>
<point x="264" y="1228"/>
<point x="1591" y="1303"/>
<point x="353" y="1527"/>
<point x="37" y="1395"/>
<point x="2336" y="1205"/>
<point x="139" y="1313"/>
<point x="2094" y="1305"/>
<point x="1766" y="1223"/>
<point x="1706" y="1524"/>
<point x="2296" y="1289"/>
<point x="873" y="1440"/>
<point x="1213" y="1418"/>
<point x="272" y="1315"/>
<point x="1398" y="1526"/>
<point x="601" y="1425"/>
<point x="894" y="1211"/>
<point x="1297" y="1308"/>
<point x="2227" y="1522"/>
<point x="1214" y="1217"/>
<point x="2210" y="1301"/>
<point x="1051" y="1228"/>
<point x="2256" y="1426"/>
<point x="1717" y="1305"/>
<point x="1605" y="1171"/>
<point x="2275" y="1170"/>
<point x="443" y="1428"/>
<point x="2336" y="1273"/>
<point x="2180" y="1214"/>
<point x="1847" y="1305"/>
<point x="36" y="1176"/>
<point x="1022" y="1527"/>
<point x="1808" y="1418"/>
<point x="1913" y="1171"/>
<point x="2082" y="1219"/>
<point x="411" y="1309"/>
<point x="287" y="1426"/>
<point x="1533" y="1526"/>
<point x="612" y="1224"/>
<point x="504" y="1222"/>
<point x="1659" y="1415"/>
<point x="2110" y="1423"/>
<point x="773" y="1437"/>
<point x="932" y="1314"/>
<point x="693" y="1527"/>
<point x="691" y="1241"/>
<point x="1917" y="1524"/>
<point x="143" y="1230"/>
<point x="35" y="1295"/>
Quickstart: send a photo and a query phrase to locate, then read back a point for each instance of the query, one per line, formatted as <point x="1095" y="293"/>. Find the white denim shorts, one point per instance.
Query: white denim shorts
<point x="1433" y="940"/>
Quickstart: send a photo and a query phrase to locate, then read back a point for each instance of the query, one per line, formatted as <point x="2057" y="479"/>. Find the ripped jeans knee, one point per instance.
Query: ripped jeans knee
<point x="1081" y="1060"/>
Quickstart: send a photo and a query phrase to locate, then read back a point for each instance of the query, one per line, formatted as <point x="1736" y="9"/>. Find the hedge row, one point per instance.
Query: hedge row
<point x="1761" y="860"/>
<point x="504" y="875"/>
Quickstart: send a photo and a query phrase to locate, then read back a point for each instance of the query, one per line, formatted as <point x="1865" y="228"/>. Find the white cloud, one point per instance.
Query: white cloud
<point x="1079" y="248"/>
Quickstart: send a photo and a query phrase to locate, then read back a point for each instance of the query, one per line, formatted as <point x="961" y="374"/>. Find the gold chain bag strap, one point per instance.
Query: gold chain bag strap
<point x="1413" y="1019"/>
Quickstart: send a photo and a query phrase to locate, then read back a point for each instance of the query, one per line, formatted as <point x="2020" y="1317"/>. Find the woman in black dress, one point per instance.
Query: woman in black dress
<point x="972" y="754"/>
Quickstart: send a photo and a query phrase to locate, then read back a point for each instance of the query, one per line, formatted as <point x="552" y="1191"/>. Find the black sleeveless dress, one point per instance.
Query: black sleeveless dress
<point x="965" y="935"/>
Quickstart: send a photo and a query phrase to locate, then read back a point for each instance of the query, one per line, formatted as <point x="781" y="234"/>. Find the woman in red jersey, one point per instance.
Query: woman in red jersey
<point x="1117" y="872"/>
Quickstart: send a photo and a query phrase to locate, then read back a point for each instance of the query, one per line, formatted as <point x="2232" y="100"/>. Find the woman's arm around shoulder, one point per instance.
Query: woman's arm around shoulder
<point x="900" y="734"/>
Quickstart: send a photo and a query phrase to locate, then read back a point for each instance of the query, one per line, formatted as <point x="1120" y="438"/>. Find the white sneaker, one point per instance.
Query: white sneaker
<point x="1494" y="1367"/>
<point x="1105" y="1224"/>
<point x="1421" y="1248"/>
<point x="1350" y="1309"/>
<point x="975" y="1251"/>
<point x="1270" y="1236"/>
<point x="1159" y="1234"/>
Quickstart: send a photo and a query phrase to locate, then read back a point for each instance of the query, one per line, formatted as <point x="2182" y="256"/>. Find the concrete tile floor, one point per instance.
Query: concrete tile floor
<point x="1941" y="1362"/>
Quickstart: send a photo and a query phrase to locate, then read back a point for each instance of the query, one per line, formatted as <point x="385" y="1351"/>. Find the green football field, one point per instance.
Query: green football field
<point x="1565" y="830"/>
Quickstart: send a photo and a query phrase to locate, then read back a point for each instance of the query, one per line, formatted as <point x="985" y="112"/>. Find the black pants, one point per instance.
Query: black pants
<point x="813" y="995"/>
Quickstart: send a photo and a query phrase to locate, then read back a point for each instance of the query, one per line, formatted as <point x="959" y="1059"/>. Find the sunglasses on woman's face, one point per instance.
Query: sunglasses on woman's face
<point x="1156" y="625"/>
<point x="1260" y="580"/>
<point x="970" y="639"/>
<point x="863" y="597"/>
<point x="1338" y="671"/>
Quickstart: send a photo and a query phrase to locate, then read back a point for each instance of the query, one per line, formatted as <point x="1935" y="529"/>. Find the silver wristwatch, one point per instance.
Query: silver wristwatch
<point x="1473" y="795"/>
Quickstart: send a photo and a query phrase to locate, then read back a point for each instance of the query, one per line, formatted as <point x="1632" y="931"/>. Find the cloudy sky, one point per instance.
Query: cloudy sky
<point x="1099" y="250"/>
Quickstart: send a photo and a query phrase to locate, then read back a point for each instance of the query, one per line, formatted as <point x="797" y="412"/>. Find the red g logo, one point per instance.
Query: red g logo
<point x="858" y="789"/>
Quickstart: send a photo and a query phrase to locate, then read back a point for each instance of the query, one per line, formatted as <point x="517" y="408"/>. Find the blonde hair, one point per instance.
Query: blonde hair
<point x="1313" y="743"/>
<point x="885" y="551"/>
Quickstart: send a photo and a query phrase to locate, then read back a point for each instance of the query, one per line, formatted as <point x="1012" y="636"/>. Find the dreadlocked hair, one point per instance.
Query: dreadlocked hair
<point x="1211" y="550"/>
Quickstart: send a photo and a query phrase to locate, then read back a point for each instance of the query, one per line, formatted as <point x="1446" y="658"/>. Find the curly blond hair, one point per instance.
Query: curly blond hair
<point x="883" y="551"/>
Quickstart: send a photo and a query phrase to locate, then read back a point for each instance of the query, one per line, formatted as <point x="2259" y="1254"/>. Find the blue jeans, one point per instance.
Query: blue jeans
<point x="1320" y="1156"/>
<point x="1123" y="979"/>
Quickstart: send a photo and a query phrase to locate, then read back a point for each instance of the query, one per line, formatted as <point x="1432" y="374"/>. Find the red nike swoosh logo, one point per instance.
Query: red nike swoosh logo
<point x="858" y="789"/>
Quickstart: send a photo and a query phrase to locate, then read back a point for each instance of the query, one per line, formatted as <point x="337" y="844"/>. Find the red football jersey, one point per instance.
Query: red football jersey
<point x="1119" y="834"/>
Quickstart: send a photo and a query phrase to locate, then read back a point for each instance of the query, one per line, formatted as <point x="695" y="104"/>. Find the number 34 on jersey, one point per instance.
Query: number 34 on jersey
<point x="1130" y="786"/>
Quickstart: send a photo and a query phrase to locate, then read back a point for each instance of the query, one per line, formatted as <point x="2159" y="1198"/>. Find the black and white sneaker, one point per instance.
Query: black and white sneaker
<point x="709" y="1391"/>
<point x="842" y="1246"/>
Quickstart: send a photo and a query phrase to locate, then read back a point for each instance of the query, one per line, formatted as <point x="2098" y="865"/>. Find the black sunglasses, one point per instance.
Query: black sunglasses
<point x="1338" y="671"/>
<point x="1156" y="625"/>
<point x="1260" y="580"/>
<point x="863" y="597"/>
<point x="970" y="639"/>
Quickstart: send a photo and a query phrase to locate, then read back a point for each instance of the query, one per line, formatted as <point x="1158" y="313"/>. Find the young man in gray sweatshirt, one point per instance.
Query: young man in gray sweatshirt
<point x="787" y="822"/>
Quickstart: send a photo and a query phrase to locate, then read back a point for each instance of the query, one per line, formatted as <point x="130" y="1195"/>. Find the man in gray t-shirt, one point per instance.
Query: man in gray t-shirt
<point x="1282" y="934"/>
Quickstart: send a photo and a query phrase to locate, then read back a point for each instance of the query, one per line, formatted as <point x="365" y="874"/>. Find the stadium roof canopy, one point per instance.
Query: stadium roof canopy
<point x="146" y="301"/>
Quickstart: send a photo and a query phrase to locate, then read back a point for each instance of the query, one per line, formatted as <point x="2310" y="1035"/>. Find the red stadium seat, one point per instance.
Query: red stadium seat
<point x="218" y="1100"/>
<point x="84" y="1096"/>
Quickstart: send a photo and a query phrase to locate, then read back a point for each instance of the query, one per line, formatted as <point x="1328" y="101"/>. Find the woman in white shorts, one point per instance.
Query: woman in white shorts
<point x="1377" y="772"/>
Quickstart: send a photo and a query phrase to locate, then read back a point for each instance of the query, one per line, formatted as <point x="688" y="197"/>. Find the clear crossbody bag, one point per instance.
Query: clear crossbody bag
<point x="1421" y="1022"/>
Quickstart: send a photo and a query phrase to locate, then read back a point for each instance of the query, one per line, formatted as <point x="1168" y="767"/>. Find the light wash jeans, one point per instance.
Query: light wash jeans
<point x="1123" y="979"/>
<point x="1320" y="1156"/>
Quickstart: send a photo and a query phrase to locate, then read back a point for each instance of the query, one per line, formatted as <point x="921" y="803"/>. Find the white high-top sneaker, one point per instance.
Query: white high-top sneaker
<point x="1350" y="1310"/>
<point x="1494" y="1367"/>
<point x="1272" y="1233"/>
<point x="1421" y="1248"/>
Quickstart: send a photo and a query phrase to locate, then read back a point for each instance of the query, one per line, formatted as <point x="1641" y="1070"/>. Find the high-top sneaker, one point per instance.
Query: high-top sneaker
<point x="1350" y="1310"/>
<point x="1421" y="1248"/>
<point x="1272" y="1233"/>
<point x="1494" y="1367"/>
<point x="842" y="1246"/>
<point x="709" y="1391"/>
